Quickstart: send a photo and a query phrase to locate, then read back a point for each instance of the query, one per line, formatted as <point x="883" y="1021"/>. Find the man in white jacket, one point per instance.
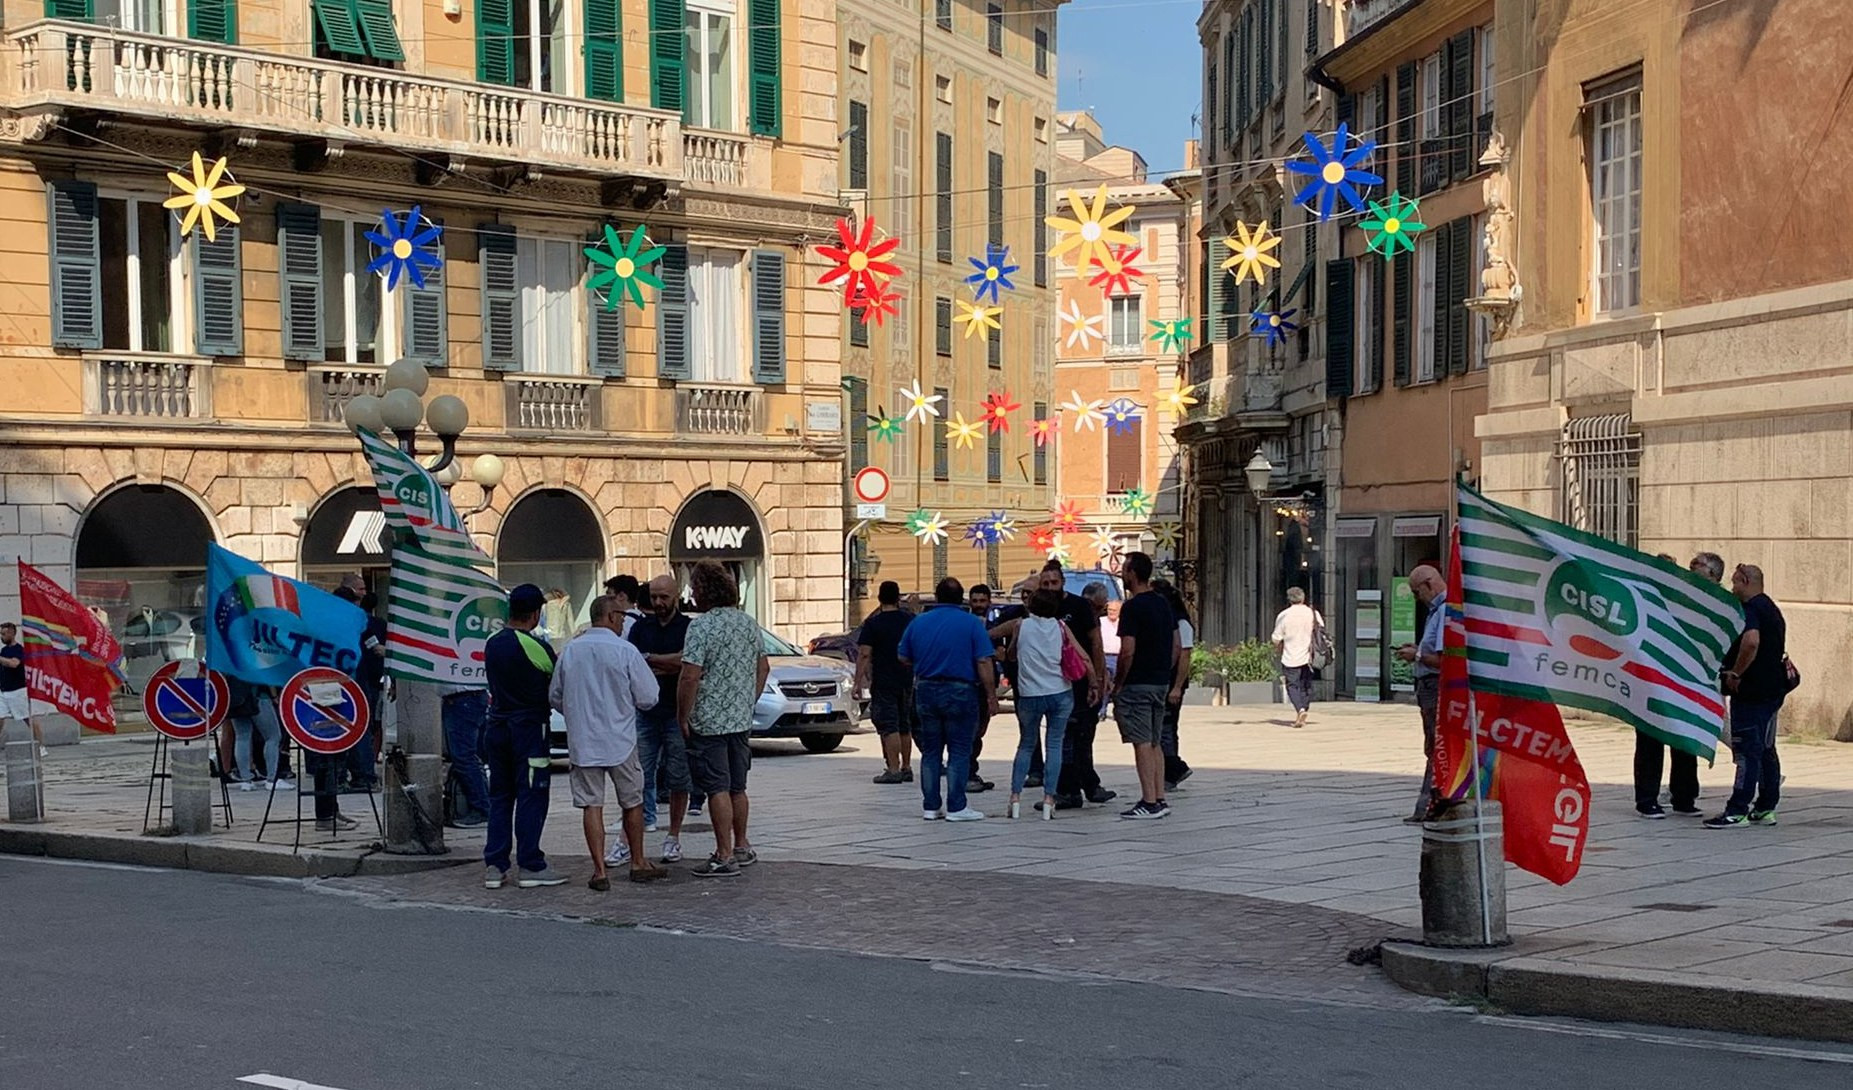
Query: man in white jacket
<point x="599" y="685"/>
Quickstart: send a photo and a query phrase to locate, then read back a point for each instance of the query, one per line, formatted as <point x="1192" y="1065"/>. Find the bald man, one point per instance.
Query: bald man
<point x="660" y="635"/>
<point x="1432" y="591"/>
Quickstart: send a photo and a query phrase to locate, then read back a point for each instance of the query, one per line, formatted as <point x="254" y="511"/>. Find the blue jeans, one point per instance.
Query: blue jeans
<point x="947" y="714"/>
<point x="519" y="771"/>
<point x="1753" y="747"/>
<point x="1031" y="710"/>
<point x="664" y="753"/>
<point x="463" y="737"/>
<point x="269" y="729"/>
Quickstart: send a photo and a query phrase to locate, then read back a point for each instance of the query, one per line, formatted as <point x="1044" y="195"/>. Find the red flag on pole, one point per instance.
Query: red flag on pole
<point x="72" y="661"/>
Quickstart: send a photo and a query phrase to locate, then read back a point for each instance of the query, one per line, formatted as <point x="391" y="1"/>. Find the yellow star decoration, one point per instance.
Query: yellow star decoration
<point x="978" y="318"/>
<point x="203" y="197"/>
<point x="1248" y="252"/>
<point x="1179" y="400"/>
<point x="962" y="434"/>
<point x="1091" y="233"/>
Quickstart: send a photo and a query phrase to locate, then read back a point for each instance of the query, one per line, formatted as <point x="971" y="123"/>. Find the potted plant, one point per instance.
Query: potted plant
<point x="1244" y="674"/>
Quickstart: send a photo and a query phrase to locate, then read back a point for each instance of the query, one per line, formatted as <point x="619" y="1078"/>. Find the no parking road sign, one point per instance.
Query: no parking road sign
<point x="184" y="701"/>
<point x="323" y="709"/>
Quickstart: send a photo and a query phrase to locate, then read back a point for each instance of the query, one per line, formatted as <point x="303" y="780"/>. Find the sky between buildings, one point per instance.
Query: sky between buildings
<point x="1136" y="64"/>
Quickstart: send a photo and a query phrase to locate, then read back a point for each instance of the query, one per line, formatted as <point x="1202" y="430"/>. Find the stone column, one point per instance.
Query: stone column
<point x="1461" y="858"/>
<point x="421" y="739"/>
<point x="190" y="766"/>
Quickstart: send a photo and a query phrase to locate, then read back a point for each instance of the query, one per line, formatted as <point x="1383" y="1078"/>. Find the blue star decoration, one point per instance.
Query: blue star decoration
<point x="1273" y="326"/>
<point x="1122" y="414"/>
<point x="979" y="534"/>
<point x="1335" y="172"/>
<point x="992" y="273"/>
<point x="407" y="247"/>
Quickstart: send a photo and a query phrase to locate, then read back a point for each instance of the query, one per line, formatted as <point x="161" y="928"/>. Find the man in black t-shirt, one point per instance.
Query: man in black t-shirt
<point x="15" y="698"/>
<point x="889" y="681"/>
<point x="1149" y="650"/>
<point x="1757" y="679"/>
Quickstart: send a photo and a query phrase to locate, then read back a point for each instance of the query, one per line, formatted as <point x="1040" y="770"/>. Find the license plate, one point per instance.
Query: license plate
<point x="817" y="707"/>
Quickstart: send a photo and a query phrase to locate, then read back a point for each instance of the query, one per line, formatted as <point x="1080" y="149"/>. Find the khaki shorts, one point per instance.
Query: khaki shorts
<point x="588" y="783"/>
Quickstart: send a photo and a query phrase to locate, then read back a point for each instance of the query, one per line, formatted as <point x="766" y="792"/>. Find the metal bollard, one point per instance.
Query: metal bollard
<point x="25" y="792"/>
<point x="1463" y="880"/>
<point x="192" y="782"/>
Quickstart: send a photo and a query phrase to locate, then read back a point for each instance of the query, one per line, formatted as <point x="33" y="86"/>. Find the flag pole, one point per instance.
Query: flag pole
<point x="1473" y="739"/>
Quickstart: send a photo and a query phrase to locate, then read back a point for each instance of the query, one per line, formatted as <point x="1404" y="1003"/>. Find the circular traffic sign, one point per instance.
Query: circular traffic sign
<point x="870" y="485"/>
<point x="324" y="710"/>
<point x="185" y="701"/>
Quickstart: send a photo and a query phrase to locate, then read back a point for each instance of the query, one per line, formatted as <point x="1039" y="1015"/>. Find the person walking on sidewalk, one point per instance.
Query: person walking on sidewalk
<point x="1144" y="681"/>
<point x="950" y="654"/>
<point x="1432" y="591"/>
<point x="1293" y="643"/>
<point x="890" y="684"/>
<point x="1044" y="693"/>
<point x="724" y="667"/>
<point x="15" y="698"/>
<point x="519" y="667"/>
<point x="599" y="684"/>
<point x="1758" y="681"/>
<point x="1177" y="770"/>
<point x="661" y="635"/>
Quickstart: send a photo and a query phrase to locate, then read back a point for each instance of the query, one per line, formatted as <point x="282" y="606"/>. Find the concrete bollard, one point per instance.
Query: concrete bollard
<point x="25" y="793"/>
<point x="1452" y="874"/>
<point x="421" y="735"/>
<point x="191" y="770"/>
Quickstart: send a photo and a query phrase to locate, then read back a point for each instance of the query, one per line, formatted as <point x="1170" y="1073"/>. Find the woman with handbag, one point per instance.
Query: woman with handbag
<point x="1049" y="661"/>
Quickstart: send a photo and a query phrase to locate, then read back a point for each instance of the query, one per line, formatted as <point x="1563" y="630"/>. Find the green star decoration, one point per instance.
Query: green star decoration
<point x="918" y="520"/>
<point x="621" y="267"/>
<point x="1393" y="224"/>
<point x="1136" y="502"/>
<point x="1172" y="335"/>
<point x="886" y="429"/>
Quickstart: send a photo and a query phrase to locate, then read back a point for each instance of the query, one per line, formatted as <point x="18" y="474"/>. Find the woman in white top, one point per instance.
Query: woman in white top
<point x="1042" y="692"/>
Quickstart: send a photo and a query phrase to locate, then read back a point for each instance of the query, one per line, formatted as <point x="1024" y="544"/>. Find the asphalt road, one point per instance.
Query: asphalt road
<point x="158" y="980"/>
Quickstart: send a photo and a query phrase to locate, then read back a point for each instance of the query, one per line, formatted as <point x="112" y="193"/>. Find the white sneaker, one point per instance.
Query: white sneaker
<point x="618" y="853"/>
<point x="650" y="827"/>
<point x="932" y="815"/>
<point x="43" y="752"/>
<point x="246" y="785"/>
<point x="285" y="784"/>
<point x="672" y="850"/>
<point x="967" y="814"/>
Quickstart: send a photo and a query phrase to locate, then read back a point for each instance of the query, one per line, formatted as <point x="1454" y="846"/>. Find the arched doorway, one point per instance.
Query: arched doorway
<point x="721" y="526"/>
<point x="346" y="533"/>
<point x="141" y="565"/>
<point x="553" y="539"/>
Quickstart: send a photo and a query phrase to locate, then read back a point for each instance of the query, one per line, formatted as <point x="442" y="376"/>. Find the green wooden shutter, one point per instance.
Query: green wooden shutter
<point x="605" y="351"/>
<point x="765" y="104"/>
<point x="1460" y="280"/>
<point x="495" y="41"/>
<point x="858" y="144"/>
<point x="1040" y="241"/>
<point x="376" y="27"/>
<point x="1402" y="269"/>
<point x="1405" y="128"/>
<point x="768" y="317"/>
<point x="1221" y="287"/>
<point x="1375" y="332"/>
<point x="942" y="326"/>
<point x="213" y="21"/>
<point x="218" y="293"/>
<point x="299" y="267"/>
<point x="1457" y="94"/>
<point x="79" y="10"/>
<point x="76" y="265"/>
<point x="1438" y="306"/>
<point x="495" y="244"/>
<point x="994" y="196"/>
<point x="1264" y="42"/>
<point x="942" y="446"/>
<point x="604" y="50"/>
<point x="339" y="23"/>
<point x="427" y="317"/>
<point x="668" y="36"/>
<point x="672" y="313"/>
<point x="942" y="195"/>
<point x="858" y="417"/>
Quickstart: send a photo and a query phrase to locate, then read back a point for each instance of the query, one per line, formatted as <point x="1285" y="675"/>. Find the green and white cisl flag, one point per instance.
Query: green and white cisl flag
<point x="414" y="502"/>
<point x="439" y="613"/>
<point x="1566" y="617"/>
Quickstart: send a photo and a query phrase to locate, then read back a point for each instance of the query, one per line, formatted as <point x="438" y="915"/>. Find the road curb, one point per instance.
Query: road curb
<point x="207" y="854"/>
<point x="1535" y="986"/>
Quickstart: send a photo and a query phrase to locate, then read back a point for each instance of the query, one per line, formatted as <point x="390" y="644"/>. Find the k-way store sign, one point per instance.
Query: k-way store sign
<point x="716" y="525"/>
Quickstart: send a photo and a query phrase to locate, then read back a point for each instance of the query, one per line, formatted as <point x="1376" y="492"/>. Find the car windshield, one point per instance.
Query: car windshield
<point x="1075" y="582"/>
<point x="776" y="647"/>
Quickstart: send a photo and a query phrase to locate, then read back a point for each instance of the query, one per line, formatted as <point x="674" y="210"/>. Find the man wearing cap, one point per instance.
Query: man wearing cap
<point x="519" y="666"/>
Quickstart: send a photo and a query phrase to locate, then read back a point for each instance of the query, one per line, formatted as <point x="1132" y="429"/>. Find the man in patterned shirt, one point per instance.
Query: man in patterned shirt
<point x="724" y="667"/>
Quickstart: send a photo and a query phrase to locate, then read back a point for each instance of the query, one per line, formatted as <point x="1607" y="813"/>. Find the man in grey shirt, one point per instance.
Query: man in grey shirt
<point x="1432" y="591"/>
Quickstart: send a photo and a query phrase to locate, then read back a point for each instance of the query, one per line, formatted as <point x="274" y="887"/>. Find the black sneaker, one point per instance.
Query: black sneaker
<point x="1067" y="802"/>
<point x="1100" y="796"/>
<point x="1727" y="821"/>
<point x="1145" y="811"/>
<point x="907" y="775"/>
<point x="1687" y="811"/>
<point x="891" y="776"/>
<point x="716" y="867"/>
<point x="1652" y="812"/>
<point x="975" y="785"/>
<point x="1186" y="774"/>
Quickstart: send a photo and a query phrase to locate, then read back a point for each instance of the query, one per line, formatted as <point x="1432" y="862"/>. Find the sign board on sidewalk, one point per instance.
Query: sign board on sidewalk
<point x="324" y="710"/>
<point x="870" y="485"/>
<point x="875" y="511"/>
<point x="185" y="701"/>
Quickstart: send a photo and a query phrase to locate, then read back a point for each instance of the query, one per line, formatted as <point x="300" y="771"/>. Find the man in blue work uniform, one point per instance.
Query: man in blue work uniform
<point x="520" y="669"/>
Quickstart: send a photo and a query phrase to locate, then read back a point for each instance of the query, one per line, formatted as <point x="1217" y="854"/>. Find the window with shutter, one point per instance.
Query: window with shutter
<point x="76" y="10"/>
<point x="1221" y="287"/>
<point x="667" y="30"/>
<point x="1375" y="325"/>
<point x="994" y="29"/>
<point x="1231" y="75"/>
<point x="942" y="452"/>
<point x="1040" y="229"/>
<point x="299" y="264"/>
<point x="994" y="457"/>
<point x="1458" y="94"/>
<point x="942" y="14"/>
<point x="218" y="293"/>
<point x="994" y="196"/>
<point x="1340" y="334"/>
<point x="1402" y="271"/>
<point x="337" y="24"/>
<point x="1244" y="91"/>
<point x="942" y="559"/>
<point x="994" y="349"/>
<point x="604" y="50"/>
<point x="1405" y="128"/>
<point x="76" y="260"/>
<point x="672" y="360"/>
<point x="1126" y="457"/>
<point x="1264" y="45"/>
<point x="213" y="21"/>
<point x="427" y="316"/>
<point x="858" y="417"/>
<point x="1459" y="260"/>
<point x="858" y="329"/>
<point x="1042" y="51"/>
<point x="1432" y="277"/>
<point x="765" y="107"/>
<point x="374" y="18"/>
<point x="1039" y="455"/>
<point x="858" y="145"/>
<point x="1312" y="28"/>
<point x="942" y="196"/>
<point x="942" y="326"/>
<point x="605" y="347"/>
<point x="495" y="41"/>
<point x="501" y="297"/>
<point x="768" y="317"/>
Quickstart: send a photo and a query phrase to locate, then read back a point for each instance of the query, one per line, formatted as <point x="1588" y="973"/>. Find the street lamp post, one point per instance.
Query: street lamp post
<point x="1259" y="472"/>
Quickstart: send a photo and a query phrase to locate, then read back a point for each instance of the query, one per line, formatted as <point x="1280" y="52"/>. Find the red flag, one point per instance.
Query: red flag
<point x="72" y="661"/>
<point x="1527" y="762"/>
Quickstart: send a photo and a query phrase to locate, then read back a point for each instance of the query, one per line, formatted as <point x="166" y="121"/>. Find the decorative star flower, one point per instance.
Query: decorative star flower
<point x="1248" y="253"/>
<point x="1166" y="532"/>
<point x="1114" y="279"/>
<point x="1273" y="326"/>
<point x="204" y="196"/>
<point x="1042" y="538"/>
<point x="978" y="318"/>
<point x="993" y="273"/>
<point x="962" y="434"/>
<point x="885" y="428"/>
<point x="1121" y="415"/>
<point x="1044" y="430"/>
<point x="859" y="261"/>
<point x="1086" y="413"/>
<point x="1334" y="173"/>
<point x="1171" y="335"/>
<point x="918" y="518"/>
<point x="1136" y="502"/>
<point x="1104" y="543"/>
<point x="978" y="534"/>
<point x="1091" y="231"/>
<point x="1083" y="329"/>
<point x="932" y="529"/>
<point x="1058" y="550"/>
<point x="920" y="405"/>
<point x="877" y="303"/>
<point x="997" y="410"/>
<point x="406" y="247"/>
<point x="1392" y="225"/>
<point x="623" y="267"/>
<point x="1066" y="516"/>
<point x="1179" y="400"/>
<point x="1003" y="527"/>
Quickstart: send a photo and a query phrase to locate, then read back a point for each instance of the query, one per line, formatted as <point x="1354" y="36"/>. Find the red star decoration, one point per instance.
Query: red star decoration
<point x="1067" y="515"/>
<point x="1044" y="430"/>
<point x="997" y="410"/>
<point x="1114" y="278"/>
<point x="878" y="304"/>
<point x="858" y="260"/>
<point x="1042" y="538"/>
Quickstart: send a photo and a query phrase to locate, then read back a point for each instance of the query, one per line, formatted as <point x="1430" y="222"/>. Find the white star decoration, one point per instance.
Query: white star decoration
<point x="1083" y="329"/>
<point x="1087" y="414"/>
<point x="919" y="405"/>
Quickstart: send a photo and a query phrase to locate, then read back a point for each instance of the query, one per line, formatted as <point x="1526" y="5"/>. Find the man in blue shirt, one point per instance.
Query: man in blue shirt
<point x="519" y="666"/>
<point x="1432" y="591"/>
<point x="950" y="653"/>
